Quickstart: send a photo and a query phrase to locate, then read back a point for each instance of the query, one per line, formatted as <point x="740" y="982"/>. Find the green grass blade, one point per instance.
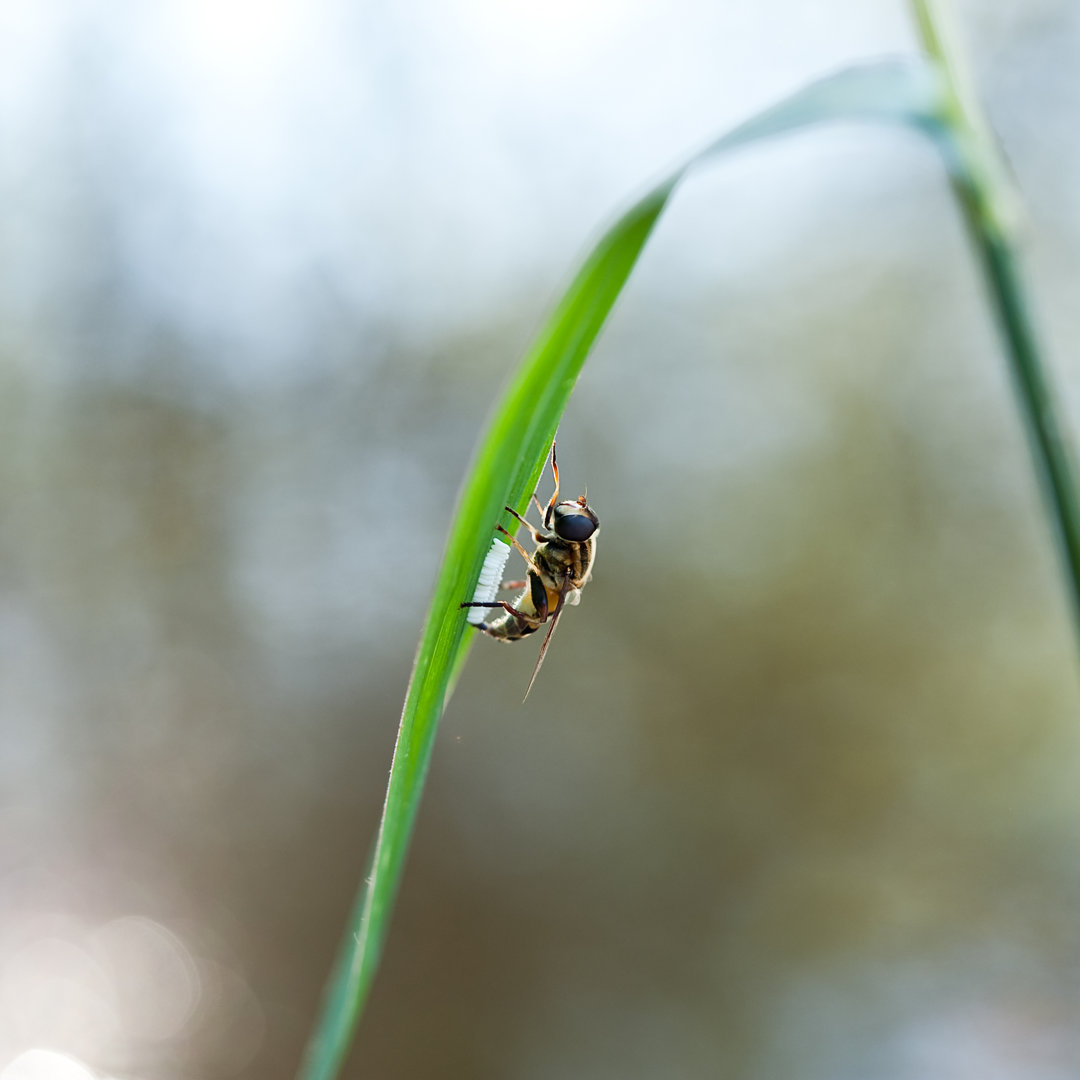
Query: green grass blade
<point x="505" y="472"/>
<point x="991" y="210"/>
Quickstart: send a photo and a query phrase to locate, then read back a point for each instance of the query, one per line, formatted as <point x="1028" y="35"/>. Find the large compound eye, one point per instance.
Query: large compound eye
<point x="573" y="524"/>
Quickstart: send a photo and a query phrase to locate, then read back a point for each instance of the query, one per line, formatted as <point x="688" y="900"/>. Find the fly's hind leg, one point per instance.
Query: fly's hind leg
<point x="516" y="627"/>
<point x="498" y="604"/>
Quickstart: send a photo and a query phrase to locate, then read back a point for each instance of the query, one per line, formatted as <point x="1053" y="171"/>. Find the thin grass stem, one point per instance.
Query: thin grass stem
<point x="991" y="212"/>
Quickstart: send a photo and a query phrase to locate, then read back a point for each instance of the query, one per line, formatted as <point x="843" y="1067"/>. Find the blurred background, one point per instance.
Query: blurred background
<point x="796" y="794"/>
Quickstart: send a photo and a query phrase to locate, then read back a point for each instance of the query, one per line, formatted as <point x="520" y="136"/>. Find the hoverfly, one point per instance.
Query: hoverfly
<point x="556" y="571"/>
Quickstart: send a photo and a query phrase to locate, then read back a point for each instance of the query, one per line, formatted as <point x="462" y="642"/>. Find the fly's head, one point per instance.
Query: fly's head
<point x="574" y="522"/>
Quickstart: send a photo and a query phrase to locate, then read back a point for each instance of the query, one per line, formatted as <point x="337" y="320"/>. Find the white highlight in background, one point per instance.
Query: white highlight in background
<point x="45" y="1065"/>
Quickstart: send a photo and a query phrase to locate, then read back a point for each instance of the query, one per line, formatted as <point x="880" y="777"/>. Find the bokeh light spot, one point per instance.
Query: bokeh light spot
<point x="155" y="981"/>
<point x="45" y="1065"/>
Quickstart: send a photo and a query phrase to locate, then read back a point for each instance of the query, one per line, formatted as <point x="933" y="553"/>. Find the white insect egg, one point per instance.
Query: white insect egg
<point x="491" y="574"/>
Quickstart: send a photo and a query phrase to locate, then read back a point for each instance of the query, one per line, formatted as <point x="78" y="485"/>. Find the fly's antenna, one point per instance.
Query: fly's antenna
<point x="555" y="497"/>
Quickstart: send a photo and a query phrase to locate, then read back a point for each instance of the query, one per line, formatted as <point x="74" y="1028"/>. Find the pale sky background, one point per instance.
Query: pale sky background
<point x="263" y="268"/>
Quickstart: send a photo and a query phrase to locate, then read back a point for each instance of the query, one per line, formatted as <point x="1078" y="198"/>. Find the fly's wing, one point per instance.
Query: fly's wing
<point x="547" y="637"/>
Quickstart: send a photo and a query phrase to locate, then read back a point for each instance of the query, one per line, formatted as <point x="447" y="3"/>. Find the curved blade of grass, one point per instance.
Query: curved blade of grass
<point x="991" y="212"/>
<point x="505" y="472"/>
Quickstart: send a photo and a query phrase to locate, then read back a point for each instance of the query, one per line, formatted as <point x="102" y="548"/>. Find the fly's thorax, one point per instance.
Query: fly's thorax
<point x="558" y="560"/>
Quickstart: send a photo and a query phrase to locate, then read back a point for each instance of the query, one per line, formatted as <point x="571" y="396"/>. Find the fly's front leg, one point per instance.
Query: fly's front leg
<point x="537" y="535"/>
<point x="555" y="494"/>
